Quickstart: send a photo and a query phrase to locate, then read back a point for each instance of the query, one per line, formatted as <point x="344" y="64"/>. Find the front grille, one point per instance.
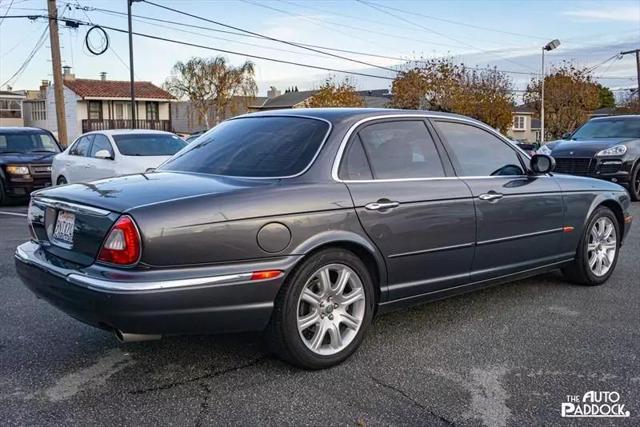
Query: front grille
<point x="574" y="166"/>
<point x="40" y="170"/>
<point x="610" y="167"/>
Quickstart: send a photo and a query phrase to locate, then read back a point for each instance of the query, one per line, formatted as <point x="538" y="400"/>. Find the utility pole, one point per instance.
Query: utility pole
<point x="131" y="74"/>
<point x="637" y="52"/>
<point x="553" y="44"/>
<point x="58" y="85"/>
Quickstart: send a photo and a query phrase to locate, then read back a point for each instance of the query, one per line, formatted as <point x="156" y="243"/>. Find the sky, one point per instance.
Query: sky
<point x="502" y="33"/>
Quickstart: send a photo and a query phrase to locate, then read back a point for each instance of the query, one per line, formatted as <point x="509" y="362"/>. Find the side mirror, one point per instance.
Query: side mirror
<point x="566" y="135"/>
<point x="542" y="163"/>
<point x="103" y="154"/>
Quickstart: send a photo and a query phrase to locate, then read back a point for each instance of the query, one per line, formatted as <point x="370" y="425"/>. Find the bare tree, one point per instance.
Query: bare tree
<point x="211" y="84"/>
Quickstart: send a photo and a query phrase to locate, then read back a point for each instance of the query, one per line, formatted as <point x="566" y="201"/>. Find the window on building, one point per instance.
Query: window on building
<point x="519" y="122"/>
<point x="153" y="111"/>
<point x="38" y="110"/>
<point x="10" y="109"/>
<point x="95" y="110"/>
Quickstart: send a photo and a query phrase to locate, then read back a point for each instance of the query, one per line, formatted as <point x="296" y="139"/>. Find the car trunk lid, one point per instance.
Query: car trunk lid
<point x="73" y="220"/>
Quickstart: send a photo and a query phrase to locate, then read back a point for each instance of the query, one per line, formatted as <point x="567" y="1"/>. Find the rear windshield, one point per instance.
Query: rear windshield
<point x="609" y="128"/>
<point x="260" y="147"/>
<point x="148" y="144"/>
<point x="28" y="143"/>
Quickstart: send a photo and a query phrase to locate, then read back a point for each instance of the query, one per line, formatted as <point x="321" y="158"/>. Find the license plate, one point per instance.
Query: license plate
<point x="64" y="227"/>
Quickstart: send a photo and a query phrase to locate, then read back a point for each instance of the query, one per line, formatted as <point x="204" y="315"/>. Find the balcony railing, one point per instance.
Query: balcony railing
<point x="89" y="125"/>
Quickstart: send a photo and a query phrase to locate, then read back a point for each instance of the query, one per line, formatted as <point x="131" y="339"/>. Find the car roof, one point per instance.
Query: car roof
<point x="336" y="115"/>
<point x="129" y="132"/>
<point x="21" y="130"/>
<point x="620" y="116"/>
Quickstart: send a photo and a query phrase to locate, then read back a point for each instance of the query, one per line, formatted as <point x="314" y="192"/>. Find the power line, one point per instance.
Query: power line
<point x="380" y="9"/>
<point x="7" y="12"/>
<point x="29" y="57"/>
<point x="231" y="52"/>
<point x="147" y="18"/>
<point x="268" y="37"/>
<point x="464" y="24"/>
<point x="235" y="33"/>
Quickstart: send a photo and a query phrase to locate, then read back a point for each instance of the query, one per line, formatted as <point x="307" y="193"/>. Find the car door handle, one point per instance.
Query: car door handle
<point x="376" y="206"/>
<point x="490" y="196"/>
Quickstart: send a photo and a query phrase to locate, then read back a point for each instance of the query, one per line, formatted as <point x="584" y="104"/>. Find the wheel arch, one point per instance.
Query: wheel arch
<point x="610" y="202"/>
<point x="355" y="243"/>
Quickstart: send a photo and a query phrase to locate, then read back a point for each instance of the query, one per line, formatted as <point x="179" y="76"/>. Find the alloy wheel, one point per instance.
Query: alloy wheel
<point x="331" y="309"/>
<point x="602" y="247"/>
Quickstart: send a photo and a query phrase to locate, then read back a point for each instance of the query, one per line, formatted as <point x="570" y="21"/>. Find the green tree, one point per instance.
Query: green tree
<point x="607" y="100"/>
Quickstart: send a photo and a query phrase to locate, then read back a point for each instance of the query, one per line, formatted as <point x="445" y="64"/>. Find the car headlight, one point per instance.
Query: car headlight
<point x="616" y="150"/>
<point x="18" y="170"/>
<point x="544" y="150"/>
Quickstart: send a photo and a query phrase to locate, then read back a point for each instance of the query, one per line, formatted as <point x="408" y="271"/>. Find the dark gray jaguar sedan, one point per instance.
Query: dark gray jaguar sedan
<point x="306" y="223"/>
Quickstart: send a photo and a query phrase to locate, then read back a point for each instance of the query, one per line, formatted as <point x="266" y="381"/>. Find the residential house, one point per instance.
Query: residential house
<point x="101" y="104"/>
<point x="524" y="128"/>
<point x="186" y="119"/>
<point x="11" y="108"/>
<point x="378" y="98"/>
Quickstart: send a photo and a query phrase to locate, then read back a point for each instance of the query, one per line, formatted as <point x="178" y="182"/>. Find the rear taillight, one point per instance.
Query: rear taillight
<point x="122" y="245"/>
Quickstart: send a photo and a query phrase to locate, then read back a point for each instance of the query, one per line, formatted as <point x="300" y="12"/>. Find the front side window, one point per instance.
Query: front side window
<point x="259" y="147"/>
<point x="476" y="152"/>
<point x="609" y="128"/>
<point x="95" y="110"/>
<point x="81" y="147"/>
<point x="28" y="143"/>
<point x="398" y="150"/>
<point x="100" y="142"/>
<point x="148" y="144"/>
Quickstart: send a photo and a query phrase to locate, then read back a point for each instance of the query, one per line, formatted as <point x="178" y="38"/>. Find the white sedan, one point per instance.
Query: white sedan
<point x="103" y="154"/>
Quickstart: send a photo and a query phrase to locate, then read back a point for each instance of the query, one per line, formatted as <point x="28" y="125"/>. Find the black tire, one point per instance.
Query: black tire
<point x="285" y="340"/>
<point x="61" y="180"/>
<point x="579" y="271"/>
<point x="3" y="195"/>
<point x="634" y="183"/>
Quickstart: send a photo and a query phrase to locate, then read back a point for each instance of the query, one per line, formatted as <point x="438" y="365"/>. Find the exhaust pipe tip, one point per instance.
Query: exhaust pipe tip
<point x="124" y="337"/>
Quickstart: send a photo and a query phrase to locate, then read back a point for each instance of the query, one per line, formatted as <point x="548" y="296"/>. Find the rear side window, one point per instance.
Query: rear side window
<point x="355" y="165"/>
<point x="260" y="147"/>
<point x="81" y="147"/>
<point x="151" y="144"/>
<point x="476" y="152"/>
<point x="402" y="149"/>
<point x="100" y="142"/>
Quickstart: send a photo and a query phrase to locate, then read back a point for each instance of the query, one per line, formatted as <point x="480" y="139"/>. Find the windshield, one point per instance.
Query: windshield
<point x="28" y="143"/>
<point x="148" y="144"/>
<point x="609" y="128"/>
<point x="260" y="147"/>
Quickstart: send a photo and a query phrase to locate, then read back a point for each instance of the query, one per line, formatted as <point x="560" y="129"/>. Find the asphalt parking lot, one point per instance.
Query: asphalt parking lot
<point x="507" y="355"/>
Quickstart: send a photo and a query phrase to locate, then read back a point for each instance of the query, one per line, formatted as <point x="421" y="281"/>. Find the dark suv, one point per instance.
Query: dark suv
<point x="25" y="160"/>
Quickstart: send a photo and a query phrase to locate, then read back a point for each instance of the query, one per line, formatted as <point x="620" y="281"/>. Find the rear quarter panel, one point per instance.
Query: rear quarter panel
<point x="224" y="227"/>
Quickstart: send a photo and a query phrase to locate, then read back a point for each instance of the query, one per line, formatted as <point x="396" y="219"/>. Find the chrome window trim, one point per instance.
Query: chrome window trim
<point x="71" y="207"/>
<point x="249" y="116"/>
<point x="336" y="162"/>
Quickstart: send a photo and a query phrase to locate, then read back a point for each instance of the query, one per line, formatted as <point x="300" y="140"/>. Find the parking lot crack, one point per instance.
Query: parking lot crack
<point x="204" y="406"/>
<point x="411" y="399"/>
<point x="208" y="375"/>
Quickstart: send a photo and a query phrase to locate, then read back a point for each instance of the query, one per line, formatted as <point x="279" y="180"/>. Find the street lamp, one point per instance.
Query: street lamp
<point x="549" y="46"/>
